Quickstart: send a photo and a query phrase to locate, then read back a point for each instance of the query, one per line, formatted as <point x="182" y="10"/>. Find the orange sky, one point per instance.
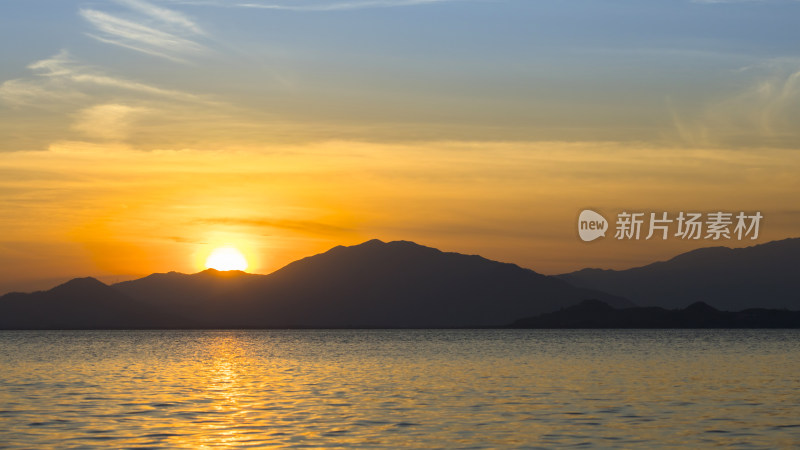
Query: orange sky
<point x="111" y="210"/>
<point x="137" y="136"/>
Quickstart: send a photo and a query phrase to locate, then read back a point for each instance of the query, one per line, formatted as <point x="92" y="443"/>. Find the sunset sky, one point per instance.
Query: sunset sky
<point x="137" y="136"/>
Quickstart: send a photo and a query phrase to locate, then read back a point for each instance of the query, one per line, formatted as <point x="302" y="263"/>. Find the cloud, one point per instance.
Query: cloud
<point x="60" y="77"/>
<point x="108" y="121"/>
<point x="21" y="92"/>
<point x="164" y="15"/>
<point x="152" y="30"/>
<point x="765" y="112"/>
<point x="319" y="5"/>
<point x="183" y="240"/>
<point x="137" y="48"/>
<point x="63" y="99"/>
<point x="713" y="2"/>
<point x="55" y="83"/>
<point x="292" y="225"/>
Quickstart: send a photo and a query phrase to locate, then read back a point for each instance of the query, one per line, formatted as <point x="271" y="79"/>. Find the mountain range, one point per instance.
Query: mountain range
<point x="730" y="279"/>
<point x="397" y="284"/>
<point x="401" y="284"/>
<point x="597" y="314"/>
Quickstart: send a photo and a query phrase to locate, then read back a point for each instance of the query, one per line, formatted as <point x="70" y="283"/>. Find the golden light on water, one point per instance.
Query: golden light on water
<point x="226" y="258"/>
<point x="395" y="388"/>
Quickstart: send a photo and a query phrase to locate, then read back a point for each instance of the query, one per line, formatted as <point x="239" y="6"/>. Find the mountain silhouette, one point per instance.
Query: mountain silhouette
<point x="760" y="276"/>
<point x="82" y="303"/>
<point x="597" y="314"/>
<point x="193" y="297"/>
<point x="375" y="284"/>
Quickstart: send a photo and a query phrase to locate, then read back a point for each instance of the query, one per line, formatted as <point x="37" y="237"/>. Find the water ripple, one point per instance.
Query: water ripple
<point x="390" y="389"/>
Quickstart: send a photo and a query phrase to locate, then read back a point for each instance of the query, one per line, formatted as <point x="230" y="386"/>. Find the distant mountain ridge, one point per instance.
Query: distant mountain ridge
<point x="597" y="314"/>
<point x="761" y="276"/>
<point x="398" y="284"/>
<point x="81" y="303"/>
<point x="401" y="284"/>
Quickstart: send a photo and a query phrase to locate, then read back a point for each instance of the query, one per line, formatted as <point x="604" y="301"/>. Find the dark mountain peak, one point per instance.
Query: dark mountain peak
<point x="702" y="254"/>
<point x="339" y="249"/>
<point x="589" y="313"/>
<point x="780" y="243"/>
<point x="83" y="281"/>
<point x="160" y="276"/>
<point x="371" y="243"/>
<point x="770" y="249"/>
<point x="378" y="256"/>
<point x="373" y="251"/>
<point x="408" y="244"/>
<point x="80" y="285"/>
<point x="81" y="303"/>
<point x="378" y="245"/>
<point x="697" y="315"/>
<point x="730" y="279"/>
<point x="372" y="284"/>
<point x="700" y="307"/>
<point x="375" y="283"/>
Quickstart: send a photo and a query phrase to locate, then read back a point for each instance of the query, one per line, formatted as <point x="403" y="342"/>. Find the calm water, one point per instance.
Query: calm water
<point x="461" y="388"/>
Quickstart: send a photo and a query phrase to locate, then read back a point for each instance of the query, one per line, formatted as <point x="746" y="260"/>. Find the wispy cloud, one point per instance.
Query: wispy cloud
<point x="150" y="29"/>
<point x="764" y="113"/>
<point x="183" y="240"/>
<point x="22" y="92"/>
<point x="163" y="15"/>
<point x="162" y="32"/>
<point x="108" y="121"/>
<point x="73" y="100"/>
<point x="51" y="85"/>
<point x="129" y="46"/>
<point x="61" y="76"/>
<point x="285" y="224"/>
<point x="317" y="5"/>
<point x="728" y="1"/>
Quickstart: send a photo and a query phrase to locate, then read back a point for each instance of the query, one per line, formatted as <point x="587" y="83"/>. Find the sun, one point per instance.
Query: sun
<point x="226" y="258"/>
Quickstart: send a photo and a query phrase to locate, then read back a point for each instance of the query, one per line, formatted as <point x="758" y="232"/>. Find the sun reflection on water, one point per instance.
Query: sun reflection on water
<point x="320" y="388"/>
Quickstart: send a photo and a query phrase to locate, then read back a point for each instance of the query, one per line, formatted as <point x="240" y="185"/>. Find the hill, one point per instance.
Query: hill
<point x="82" y="303"/>
<point x="760" y="276"/>
<point x="375" y="284"/>
<point x="597" y="314"/>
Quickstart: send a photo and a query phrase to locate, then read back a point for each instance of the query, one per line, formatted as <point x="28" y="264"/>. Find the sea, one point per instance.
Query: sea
<point x="400" y="389"/>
